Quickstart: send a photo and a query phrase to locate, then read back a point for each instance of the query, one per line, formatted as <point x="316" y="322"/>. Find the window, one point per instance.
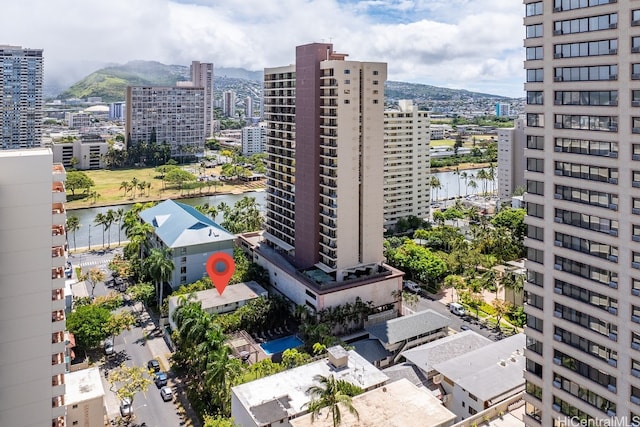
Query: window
<point x="375" y="72"/>
<point x="346" y="101"/>
<point x="535" y="255"/>
<point x="535" y="187"/>
<point x="588" y="172"/>
<point x="534" y="9"/>
<point x="589" y="197"/>
<point x="589" y="222"/>
<point x="472" y="411"/>
<point x="609" y="97"/>
<point x="347" y="71"/>
<point x="535" y="165"/>
<point x="183" y="270"/>
<point x="585" y="146"/>
<point x="592" y="73"/>
<point x="534" y="31"/>
<point x="535" y="142"/>
<point x="534" y="345"/>
<point x="347" y="82"/>
<point x="584" y="122"/>
<point x="534" y="368"/>
<point x="586" y="296"/>
<point x="535" y="209"/>
<point x="535" y="301"/>
<point x="535" y="233"/>
<point x="533" y="411"/>
<point x="535" y="278"/>
<point x="592" y="48"/>
<point x="534" y="53"/>
<point x="535" y="75"/>
<point x="635" y="71"/>
<point x="561" y="5"/>
<point x="586" y="271"/>
<point x="635" y="17"/>
<point x="535" y="120"/>
<point x="534" y="97"/>
<point x="583" y="25"/>
<point x="375" y="101"/>
<point x="375" y="82"/>
<point x="586" y="346"/>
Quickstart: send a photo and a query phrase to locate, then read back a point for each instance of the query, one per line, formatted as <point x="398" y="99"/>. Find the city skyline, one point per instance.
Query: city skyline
<point x="458" y="44"/>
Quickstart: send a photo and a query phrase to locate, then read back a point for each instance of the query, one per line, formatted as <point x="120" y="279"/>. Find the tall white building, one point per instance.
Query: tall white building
<point x="406" y="163"/>
<point x="248" y="107"/>
<point x="32" y="261"/>
<point x="253" y="138"/>
<point x="21" y="112"/>
<point x="583" y="204"/>
<point x="511" y="161"/>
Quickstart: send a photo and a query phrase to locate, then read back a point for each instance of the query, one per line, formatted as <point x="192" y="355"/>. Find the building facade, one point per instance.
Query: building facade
<point x="21" y="110"/>
<point x="88" y="150"/>
<point x="253" y="138"/>
<point x="583" y="204"/>
<point x="406" y="163"/>
<point x="32" y="261"/>
<point x="158" y="114"/>
<point x="511" y="163"/>
<point x="229" y="103"/>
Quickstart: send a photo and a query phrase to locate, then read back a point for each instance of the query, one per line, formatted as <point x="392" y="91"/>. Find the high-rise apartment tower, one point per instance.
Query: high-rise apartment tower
<point x="32" y="280"/>
<point x="20" y="97"/>
<point x="583" y="212"/>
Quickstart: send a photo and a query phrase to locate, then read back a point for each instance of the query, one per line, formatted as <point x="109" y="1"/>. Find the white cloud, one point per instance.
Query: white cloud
<point x="469" y="44"/>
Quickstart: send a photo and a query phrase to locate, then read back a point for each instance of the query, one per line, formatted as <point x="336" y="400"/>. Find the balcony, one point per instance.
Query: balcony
<point x="59" y="173"/>
<point x="57" y="401"/>
<point x="57" y="251"/>
<point x="58" y="214"/>
<point x="57" y="337"/>
<point x="57" y="273"/>
<point x="57" y="316"/>
<point x="58" y="422"/>
<point x="57" y="359"/>
<point x="59" y="194"/>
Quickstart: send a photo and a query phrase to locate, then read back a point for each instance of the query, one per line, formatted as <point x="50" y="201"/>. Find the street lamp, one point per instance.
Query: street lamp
<point x="89" y="236"/>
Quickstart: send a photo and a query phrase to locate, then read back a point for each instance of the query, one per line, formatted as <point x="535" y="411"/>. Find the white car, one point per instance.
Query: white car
<point x="166" y="393"/>
<point x="108" y="347"/>
<point x="411" y="286"/>
<point x="125" y="407"/>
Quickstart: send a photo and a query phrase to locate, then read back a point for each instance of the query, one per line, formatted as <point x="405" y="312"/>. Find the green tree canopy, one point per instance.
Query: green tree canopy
<point x="78" y="181"/>
<point x="87" y="324"/>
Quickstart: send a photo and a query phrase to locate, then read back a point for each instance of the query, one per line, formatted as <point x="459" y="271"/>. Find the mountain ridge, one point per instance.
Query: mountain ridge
<point x="110" y="83"/>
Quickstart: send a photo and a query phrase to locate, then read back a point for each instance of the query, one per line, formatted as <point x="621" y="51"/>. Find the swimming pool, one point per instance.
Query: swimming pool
<point x="281" y="344"/>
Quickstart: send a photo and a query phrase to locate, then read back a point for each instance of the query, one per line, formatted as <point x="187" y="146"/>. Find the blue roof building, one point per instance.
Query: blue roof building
<point x="191" y="235"/>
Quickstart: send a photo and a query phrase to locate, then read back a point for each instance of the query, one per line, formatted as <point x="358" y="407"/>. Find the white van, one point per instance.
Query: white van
<point x="457" y="309"/>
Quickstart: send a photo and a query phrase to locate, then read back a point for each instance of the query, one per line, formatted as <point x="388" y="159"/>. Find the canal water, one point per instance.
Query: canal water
<point x="90" y="234"/>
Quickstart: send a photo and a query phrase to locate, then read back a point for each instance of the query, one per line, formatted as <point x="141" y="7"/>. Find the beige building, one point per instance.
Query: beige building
<point x="88" y="151"/>
<point x="511" y="161"/>
<point x="406" y="163"/>
<point x="32" y="259"/>
<point x="397" y="404"/>
<point x="583" y="203"/>
<point x="85" y="398"/>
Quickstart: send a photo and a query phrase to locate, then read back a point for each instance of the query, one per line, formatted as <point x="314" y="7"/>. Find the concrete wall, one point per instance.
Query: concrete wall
<point x="88" y="413"/>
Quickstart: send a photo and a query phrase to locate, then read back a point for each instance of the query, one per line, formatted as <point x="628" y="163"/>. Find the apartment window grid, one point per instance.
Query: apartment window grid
<point x="586" y="73"/>
<point x="563" y="5"/>
<point x="589" y="197"/>
<point x="589" y="98"/>
<point x="588" y="222"/>
<point x="586" y="346"/>
<point x="584" y="49"/>
<point x="586" y="24"/>
<point x="586" y="146"/>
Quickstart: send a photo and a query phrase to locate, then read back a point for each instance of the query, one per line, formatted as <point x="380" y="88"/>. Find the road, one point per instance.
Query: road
<point x="457" y="322"/>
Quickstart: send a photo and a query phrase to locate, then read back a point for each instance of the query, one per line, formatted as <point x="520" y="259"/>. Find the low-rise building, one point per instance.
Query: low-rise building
<point x="276" y="399"/>
<point x="403" y="333"/>
<point x="482" y="378"/>
<point x="427" y="355"/>
<point x="233" y="297"/>
<point x="397" y="404"/>
<point x="191" y="236"/>
<point x="84" y="398"/>
<point x="88" y="150"/>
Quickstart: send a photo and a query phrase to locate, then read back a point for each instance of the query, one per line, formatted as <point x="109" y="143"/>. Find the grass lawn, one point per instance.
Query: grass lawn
<point x="107" y="185"/>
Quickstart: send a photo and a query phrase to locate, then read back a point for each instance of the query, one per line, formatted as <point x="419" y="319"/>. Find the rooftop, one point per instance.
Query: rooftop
<point x="406" y="327"/>
<point x="477" y="371"/>
<point x="180" y="225"/>
<point x="83" y="385"/>
<point x="233" y="293"/>
<point x="284" y="394"/>
<point x="430" y="354"/>
<point x="397" y="404"/>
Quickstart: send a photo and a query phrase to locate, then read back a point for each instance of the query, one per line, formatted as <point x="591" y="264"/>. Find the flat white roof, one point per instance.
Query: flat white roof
<point x="83" y="385"/>
<point x="284" y="394"/>
<point x="397" y="404"/>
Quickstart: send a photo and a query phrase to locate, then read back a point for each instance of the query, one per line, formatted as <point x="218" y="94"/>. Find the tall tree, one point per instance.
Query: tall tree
<point x="330" y="393"/>
<point x="101" y="219"/>
<point x="118" y="216"/>
<point x="73" y="225"/>
<point x="109" y="217"/>
<point x="129" y="380"/>
<point x="160" y="267"/>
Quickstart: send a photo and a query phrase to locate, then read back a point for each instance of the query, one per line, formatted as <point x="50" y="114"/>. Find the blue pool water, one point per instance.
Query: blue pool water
<point x="281" y="344"/>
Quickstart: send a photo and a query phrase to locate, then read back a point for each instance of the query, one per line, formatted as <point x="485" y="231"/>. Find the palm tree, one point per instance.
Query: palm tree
<point x="160" y="266"/>
<point x="473" y="184"/>
<point x="109" y="218"/>
<point x="124" y="185"/>
<point x="435" y="185"/>
<point x="329" y="394"/>
<point x="73" y="225"/>
<point x="118" y="216"/>
<point x="514" y="282"/>
<point x="465" y="177"/>
<point x="134" y="186"/>
<point x="101" y="219"/>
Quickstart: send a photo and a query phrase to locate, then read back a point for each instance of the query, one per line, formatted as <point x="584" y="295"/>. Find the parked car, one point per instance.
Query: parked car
<point x="411" y="286"/>
<point x="160" y="378"/>
<point x="166" y="393"/>
<point x="125" y="407"/>
<point x="456" y="308"/>
<point x="68" y="270"/>
<point x="109" y="348"/>
<point x="153" y="365"/>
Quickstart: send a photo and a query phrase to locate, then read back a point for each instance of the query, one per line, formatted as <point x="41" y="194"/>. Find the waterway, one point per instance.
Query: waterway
<point x="90" y="234"/>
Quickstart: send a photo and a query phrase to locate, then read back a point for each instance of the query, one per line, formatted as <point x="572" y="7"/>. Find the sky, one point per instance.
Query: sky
<point x="460" y="44"/>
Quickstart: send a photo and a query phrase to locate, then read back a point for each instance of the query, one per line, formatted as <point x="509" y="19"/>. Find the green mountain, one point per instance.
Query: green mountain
<point x="111" y="82"/>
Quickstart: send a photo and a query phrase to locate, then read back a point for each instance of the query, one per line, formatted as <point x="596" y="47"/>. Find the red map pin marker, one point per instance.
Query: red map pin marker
<point x="220" y="267"/>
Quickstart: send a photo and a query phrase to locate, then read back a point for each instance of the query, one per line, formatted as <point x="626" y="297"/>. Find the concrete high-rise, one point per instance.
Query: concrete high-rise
<point x="202" y="76"/>
<point x="32" y="261"/>
<point x="406" y="163"/>
<point x="511" y="162"/>
<point x="323" y="236"/>
<point x="583" y="212"/>
<point x="229" y="103"/>
<point x="20" y="97"/>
